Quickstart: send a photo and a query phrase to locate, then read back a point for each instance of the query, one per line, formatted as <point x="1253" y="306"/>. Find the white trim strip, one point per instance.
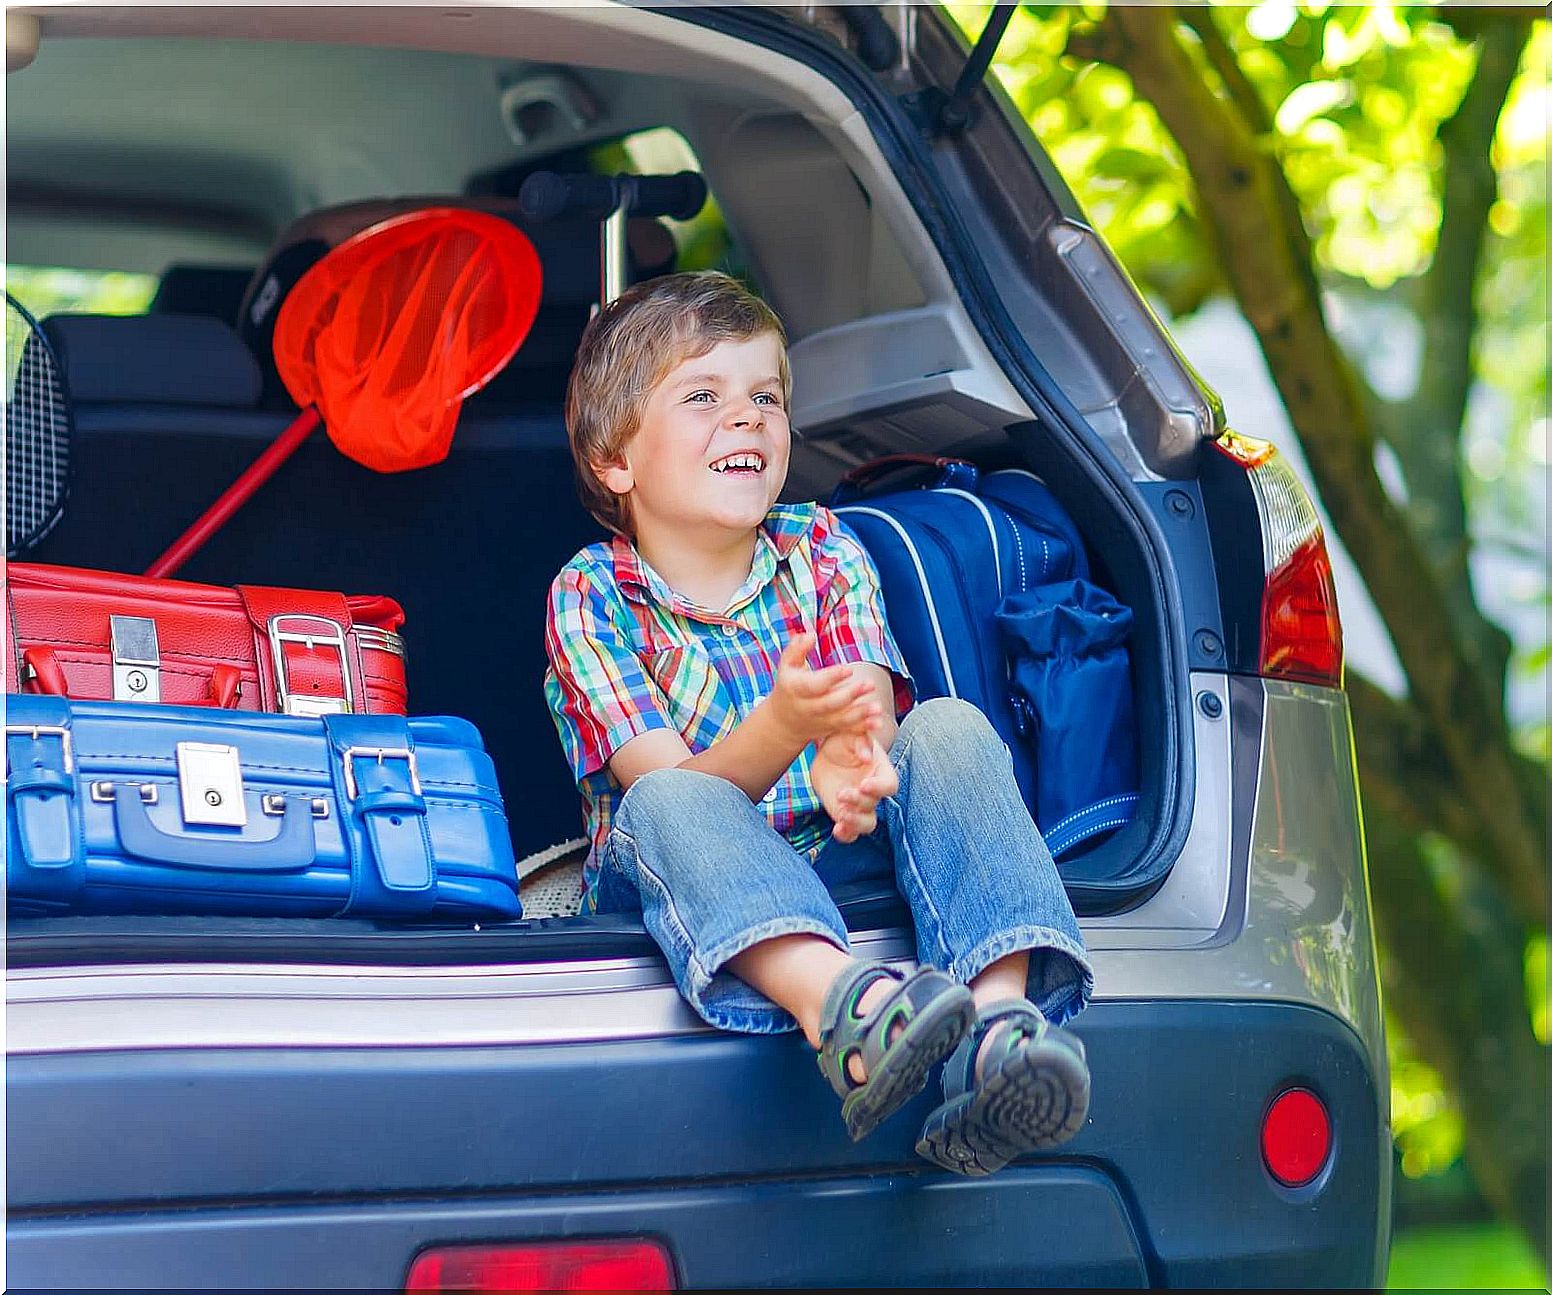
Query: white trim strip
<point x="991" y="528"/>
<point x="921" y="577"/>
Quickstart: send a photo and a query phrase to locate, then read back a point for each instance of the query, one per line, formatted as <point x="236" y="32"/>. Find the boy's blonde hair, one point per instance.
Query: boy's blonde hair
<point x="630" y="346"/>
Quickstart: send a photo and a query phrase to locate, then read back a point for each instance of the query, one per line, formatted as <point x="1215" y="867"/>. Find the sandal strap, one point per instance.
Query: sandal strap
<point x="1025" y="1021"/>
<point x="842" y="1031"/>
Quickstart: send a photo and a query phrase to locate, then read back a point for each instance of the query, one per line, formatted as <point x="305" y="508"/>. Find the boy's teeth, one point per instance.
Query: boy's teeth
<point x="736" y="462"/>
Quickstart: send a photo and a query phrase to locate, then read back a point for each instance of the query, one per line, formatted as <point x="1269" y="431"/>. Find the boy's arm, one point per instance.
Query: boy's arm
<point x="804" y="706"/>
<point x="882" y="684"/>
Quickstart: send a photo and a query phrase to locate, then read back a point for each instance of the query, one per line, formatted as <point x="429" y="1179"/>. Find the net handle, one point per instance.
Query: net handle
<point x="235" y="495"/>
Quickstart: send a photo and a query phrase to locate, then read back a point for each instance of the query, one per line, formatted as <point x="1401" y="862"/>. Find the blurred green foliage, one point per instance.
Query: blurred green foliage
<point x="48" y="290"/>
<point x="1352" y="97"/>
<point x="1486" y="1255"/>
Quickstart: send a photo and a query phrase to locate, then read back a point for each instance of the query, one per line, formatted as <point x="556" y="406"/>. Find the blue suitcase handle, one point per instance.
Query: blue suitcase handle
<point x="292" y="848"/>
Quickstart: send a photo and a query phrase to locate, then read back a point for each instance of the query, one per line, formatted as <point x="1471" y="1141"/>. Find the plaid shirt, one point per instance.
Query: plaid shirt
<point x="629" y="655"/>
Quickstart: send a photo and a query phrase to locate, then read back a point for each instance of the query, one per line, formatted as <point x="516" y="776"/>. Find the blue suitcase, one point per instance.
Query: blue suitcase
<point x="986" y="586"/>
<point x="120" y="808"/>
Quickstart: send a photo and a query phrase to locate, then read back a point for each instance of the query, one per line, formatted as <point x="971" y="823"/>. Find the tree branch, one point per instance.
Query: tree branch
<point x="1241" y="189"/>
<point x="1258" y="118"/>
<point x="1426" y="434"/>
<point x="1402" y="770"/>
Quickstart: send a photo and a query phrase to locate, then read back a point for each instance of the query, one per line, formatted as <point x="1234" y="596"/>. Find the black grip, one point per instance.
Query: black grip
<point x="549" y="195"/>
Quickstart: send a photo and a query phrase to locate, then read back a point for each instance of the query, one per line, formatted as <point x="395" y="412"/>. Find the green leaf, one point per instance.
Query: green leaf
<point x="1311" y="100"/>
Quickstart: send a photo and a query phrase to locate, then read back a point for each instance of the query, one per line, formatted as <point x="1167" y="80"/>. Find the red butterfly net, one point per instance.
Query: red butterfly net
<point x="389" y="332"/>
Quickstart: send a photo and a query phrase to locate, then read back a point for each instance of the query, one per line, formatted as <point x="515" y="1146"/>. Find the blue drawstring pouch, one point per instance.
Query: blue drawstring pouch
<point x="1071" y="682"/>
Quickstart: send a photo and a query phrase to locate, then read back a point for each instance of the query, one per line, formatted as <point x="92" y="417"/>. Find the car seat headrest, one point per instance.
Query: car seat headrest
<point x="153" y="359"/>
<point x="214" y="290"/>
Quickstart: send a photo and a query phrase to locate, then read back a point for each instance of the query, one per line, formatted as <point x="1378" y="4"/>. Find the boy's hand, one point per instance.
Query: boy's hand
<point x="851" y="774"/>
<point x="809" y="705"/>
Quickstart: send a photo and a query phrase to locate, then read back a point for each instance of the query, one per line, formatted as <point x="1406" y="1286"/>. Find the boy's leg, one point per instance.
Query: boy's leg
<point x="990" y="907"/>
<point x="756" y="944"/>
<point x="980" y="881"/>
<point x="713" y="880"/>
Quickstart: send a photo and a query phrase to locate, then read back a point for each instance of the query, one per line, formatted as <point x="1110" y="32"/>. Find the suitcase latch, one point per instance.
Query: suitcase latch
<point x="315" y="632"/>
<point x="137" y="659"/>
<point x="210" y="784"/>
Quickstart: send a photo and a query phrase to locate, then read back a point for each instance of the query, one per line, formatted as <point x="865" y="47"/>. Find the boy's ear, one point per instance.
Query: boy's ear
<point x="614" y="475"/>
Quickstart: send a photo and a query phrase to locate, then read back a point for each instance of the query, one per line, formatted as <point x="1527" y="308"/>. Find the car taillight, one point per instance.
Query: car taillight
<point x="1301" y="632"/>
<point x="1296" y="1137"/>
<point x="634" y="1265"/>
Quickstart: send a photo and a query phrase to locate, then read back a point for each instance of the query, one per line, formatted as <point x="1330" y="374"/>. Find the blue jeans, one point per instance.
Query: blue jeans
<point x="711" y="877"/>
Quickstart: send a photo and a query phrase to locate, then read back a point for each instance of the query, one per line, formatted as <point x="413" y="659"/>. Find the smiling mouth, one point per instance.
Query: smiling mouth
<point x="744" y="463"/>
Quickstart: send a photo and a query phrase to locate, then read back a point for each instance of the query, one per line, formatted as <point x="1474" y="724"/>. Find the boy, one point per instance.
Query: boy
<point x="727" y="692"/>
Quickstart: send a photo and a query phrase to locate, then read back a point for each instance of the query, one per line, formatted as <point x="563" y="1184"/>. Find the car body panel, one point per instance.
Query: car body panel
<point x="272" y="1149"/>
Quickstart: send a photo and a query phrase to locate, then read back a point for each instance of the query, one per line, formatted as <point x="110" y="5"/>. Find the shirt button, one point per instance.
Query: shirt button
<point x="730" y="629"/>
<point x="770" y="797"/>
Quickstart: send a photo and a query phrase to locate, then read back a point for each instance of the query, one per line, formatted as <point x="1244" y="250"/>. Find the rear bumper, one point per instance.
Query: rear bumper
<point x="332" y="1168"/>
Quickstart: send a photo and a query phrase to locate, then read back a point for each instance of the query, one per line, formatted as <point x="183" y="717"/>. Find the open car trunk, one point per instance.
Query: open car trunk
<point x="886" y="364"/>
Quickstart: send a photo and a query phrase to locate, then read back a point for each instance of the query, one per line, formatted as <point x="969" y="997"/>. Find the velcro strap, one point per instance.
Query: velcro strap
<point x="327" y="668"/>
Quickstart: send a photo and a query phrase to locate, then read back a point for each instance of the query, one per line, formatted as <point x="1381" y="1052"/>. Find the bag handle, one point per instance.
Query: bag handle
<point x="951" y="471"/>
<point x="292" y="848"/>
<point x="42" y="673"/>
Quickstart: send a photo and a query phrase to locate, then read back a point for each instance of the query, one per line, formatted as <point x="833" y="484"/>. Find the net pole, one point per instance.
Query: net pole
<point x="235" y="495"/>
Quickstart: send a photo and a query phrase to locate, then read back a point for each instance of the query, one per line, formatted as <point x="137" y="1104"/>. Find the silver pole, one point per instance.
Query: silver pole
<point x="614" y="252"/>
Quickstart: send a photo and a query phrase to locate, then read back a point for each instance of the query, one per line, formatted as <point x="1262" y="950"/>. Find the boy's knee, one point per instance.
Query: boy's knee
<point x="949" y="725"/>
<point x="679" y="792"/>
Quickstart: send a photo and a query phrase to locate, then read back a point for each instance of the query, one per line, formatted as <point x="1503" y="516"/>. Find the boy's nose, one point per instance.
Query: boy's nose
<point x="746" y="415"/>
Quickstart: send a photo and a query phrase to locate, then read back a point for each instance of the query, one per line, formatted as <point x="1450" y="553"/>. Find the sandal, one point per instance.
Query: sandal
<point x="899" y="1041"/>
<point x="1033" y="1093"/>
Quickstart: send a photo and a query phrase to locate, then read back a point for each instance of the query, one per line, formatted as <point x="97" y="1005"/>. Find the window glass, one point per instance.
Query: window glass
<point x="50" y="290"/>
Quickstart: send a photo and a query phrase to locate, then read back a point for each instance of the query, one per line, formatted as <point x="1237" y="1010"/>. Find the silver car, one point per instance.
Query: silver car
<point x="250" y="1102"/>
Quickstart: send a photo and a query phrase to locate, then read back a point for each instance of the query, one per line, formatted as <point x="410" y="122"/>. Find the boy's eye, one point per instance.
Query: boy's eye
<point x="767" y="398"/>
<point x="701" y="396"/>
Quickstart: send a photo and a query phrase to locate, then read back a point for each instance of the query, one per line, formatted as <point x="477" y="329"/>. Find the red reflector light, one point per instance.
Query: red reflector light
<point x="1301" y="633"/>
<point x="1296" y="1137"/>
<point x="548" y="1265"/>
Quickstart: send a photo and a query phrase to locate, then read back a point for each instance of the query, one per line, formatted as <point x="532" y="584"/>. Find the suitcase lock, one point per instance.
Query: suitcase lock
<point x="210" y="785"/>
<point x="137" y="659"/>
<point x="315" y="632"/>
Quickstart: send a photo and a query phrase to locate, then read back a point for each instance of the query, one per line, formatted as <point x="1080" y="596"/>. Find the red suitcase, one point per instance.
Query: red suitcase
<point x="101" y="636"/>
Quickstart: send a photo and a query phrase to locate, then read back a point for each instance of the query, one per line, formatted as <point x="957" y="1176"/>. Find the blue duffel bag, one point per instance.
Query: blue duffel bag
<point x="1072" y="699"/>
<point x="985" y="584"/>
<point x="114" y="807"/>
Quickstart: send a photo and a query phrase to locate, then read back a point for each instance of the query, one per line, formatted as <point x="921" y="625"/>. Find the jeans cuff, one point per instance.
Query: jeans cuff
<point x="721" y="999"/>
<point x="1061" y="979"/>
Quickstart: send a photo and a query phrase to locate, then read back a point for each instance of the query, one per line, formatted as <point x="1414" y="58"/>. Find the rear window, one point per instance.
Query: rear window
<point x="50" y="290"/>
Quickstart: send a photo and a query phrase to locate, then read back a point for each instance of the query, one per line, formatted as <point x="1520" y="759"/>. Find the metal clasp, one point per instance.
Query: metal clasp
<point x="331" y="637"/>
<point x="137" y="659"/>
<point x="210" y="784"/>
<point x="379" y="753"/>
<point x="35" y="731"/>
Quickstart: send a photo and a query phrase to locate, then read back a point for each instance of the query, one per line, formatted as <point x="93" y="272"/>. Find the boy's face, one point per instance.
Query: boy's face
<point x="711" y="451"/>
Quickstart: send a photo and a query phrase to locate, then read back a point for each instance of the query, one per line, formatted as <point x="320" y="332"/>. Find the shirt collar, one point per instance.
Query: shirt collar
<point x="784" y="526"/>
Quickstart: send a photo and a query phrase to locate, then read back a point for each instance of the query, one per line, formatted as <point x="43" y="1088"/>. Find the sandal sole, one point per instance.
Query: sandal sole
<point x="908" y="1062"/>
<point x="1038" y="1098"/>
